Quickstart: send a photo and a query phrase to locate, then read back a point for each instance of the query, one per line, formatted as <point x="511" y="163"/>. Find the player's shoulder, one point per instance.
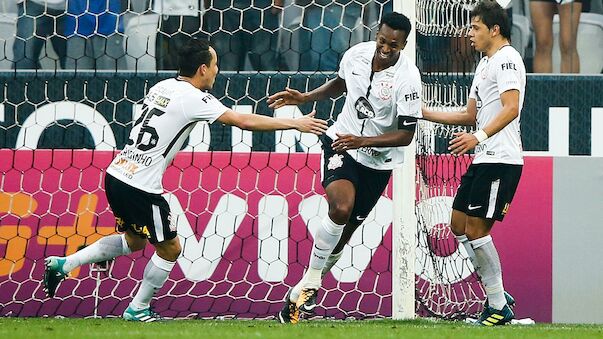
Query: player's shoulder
<point x="407" y="71"/>
<point x="362" y="48"/>
<point x="175" y="88"/>
<point x="508" y="54"/>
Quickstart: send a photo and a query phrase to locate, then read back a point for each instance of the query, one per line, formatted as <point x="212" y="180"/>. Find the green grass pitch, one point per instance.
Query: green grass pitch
<point x="116" y="328"/>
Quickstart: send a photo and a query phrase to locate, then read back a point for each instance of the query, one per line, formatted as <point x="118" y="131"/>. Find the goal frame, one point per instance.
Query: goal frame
<point x="404" y="235"/>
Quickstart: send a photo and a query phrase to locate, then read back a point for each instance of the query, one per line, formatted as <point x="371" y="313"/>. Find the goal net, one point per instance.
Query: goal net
<point x="447" y="285"/>
<point x="247" y="204"/>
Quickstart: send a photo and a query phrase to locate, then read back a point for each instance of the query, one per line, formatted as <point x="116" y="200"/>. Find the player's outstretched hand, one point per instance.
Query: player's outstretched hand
<point x="309" y="124"/>
<point x="462" y="143"/>
<point x="346" y="142"/>
<point x="289" y="96"/>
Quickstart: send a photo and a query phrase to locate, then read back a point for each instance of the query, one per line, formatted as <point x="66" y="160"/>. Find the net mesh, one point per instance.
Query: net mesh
<point x="144" y="35"/>
<point x="447" y="285"/>
<point x="247" y="203"/>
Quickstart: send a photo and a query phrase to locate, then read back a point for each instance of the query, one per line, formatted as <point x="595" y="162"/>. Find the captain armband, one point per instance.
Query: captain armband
<point x="407" y="123"/>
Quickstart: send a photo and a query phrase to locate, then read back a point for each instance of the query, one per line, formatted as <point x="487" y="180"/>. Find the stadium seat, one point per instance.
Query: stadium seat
<point x="596" y="6"/>
<point x="590" y="43"/>
<point x="8" y="22"/>
<point x="139" y="43"/>
<point x="520" y="33"/>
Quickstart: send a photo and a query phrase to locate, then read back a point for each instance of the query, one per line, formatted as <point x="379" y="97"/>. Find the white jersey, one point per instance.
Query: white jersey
<point x="394" y="92"/>
<point x="493" y="76"/>
<point x="170" y="111"/>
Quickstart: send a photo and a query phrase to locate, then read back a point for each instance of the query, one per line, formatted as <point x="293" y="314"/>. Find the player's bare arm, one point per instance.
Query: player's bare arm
<point x="464" y="142"/>
<point x="398" y="138"/>
<point x="331" y="89"/>
<point x="510" y="111"/>
<point x="466" y="117"/>
<point x="256" y="122"/>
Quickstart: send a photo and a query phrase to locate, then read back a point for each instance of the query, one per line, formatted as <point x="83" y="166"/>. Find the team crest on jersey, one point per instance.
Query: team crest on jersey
<point x="335" y="162"/>
<point x="385" y="90"/>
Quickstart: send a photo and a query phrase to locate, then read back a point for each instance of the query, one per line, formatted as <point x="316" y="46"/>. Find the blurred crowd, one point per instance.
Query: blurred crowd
<point x="260" y="35"/>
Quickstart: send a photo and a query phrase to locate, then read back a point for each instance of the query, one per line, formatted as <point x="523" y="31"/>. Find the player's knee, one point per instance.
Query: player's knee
<point x="169" y="250"/>
<point x="173" y="253"/>
<point x="477" y="231"/>
<point x="340" y="213"/>
<point x="135" y="243"/>
<point x="177" y="250"/>
<point x="457" y="228"/>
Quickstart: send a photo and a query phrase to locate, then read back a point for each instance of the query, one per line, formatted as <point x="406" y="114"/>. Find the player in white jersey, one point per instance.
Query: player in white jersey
<point x="486" y="190"/>
<point x="382" y="104"/>
<point x="133" y="181"/>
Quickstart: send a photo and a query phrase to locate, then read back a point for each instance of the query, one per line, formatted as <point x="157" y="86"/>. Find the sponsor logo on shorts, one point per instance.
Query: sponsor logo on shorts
<point x="141" y="230"/>
<point x="506" y="209"/>
<point x="471" y="207"/>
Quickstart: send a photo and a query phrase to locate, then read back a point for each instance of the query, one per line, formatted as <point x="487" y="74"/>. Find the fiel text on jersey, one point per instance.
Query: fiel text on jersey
<point x="508" y="66"/>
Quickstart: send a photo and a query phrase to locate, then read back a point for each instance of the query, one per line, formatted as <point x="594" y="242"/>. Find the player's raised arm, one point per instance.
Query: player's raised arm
<point x="331" y="89"/>
<point x="256" y="122"/>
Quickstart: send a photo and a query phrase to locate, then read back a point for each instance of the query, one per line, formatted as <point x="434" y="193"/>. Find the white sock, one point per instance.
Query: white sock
<point x="155" y="275"/>
<point x="463" y="240"/>
<point x="333" y="259"/>
<point x="326" y="238"/>
<point x="105" y="248"/>
<point x="490" y="271"/>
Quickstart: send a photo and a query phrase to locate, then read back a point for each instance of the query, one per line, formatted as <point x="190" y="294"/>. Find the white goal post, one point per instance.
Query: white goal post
<point x="405" y="221"/>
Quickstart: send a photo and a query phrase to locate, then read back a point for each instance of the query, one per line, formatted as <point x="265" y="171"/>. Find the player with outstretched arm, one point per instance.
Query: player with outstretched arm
<point x="133" y="185"/>
<point x="487" y="188"/>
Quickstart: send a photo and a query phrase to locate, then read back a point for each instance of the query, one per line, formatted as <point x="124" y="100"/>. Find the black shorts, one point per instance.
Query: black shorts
<point x="145" y="214"/>
<point x="369" y="183"/>
<point x="487" y="190"/>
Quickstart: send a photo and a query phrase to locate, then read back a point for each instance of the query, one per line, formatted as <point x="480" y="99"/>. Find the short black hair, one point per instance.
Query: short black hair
<point x="397" y="22"/>
<point x="491" y="14"/>
<point x="193" y="54"/>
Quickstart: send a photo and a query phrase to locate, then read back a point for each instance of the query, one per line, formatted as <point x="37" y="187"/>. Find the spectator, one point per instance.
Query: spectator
<point x="542" y="12"/>
<point x="328" y="28"/>
<point x="179" y="21"/>
<point x="36" y="23"/>
<point x="241" y="28"/>
<point x="94" y="35"/>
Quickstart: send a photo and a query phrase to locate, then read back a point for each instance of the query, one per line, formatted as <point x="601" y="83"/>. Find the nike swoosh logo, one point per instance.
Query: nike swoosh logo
<point x="356" y="73"/>
<point x="471" y="208"/>
<point x="360" y="218"/>
<point x="408" y="123"/>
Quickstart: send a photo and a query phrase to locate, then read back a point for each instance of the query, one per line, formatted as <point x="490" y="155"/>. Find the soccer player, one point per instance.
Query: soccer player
<point x="133" y="181"/>
<point x="382" y="104"/>
<point x="486" y="190"/>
